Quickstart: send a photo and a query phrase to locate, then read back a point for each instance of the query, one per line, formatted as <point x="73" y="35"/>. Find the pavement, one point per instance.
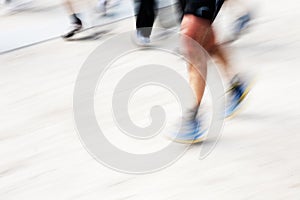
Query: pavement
<point x="256" y="158"/>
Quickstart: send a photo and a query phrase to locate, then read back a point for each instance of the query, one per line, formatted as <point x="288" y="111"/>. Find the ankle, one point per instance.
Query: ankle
<point x="75" y="19"/>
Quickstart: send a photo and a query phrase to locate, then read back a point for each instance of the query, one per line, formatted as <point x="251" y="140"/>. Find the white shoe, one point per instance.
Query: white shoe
<point x="101" y="6"/>
<point x="142" y="40"/>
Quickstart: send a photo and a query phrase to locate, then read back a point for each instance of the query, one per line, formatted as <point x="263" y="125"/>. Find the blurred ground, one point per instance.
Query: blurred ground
<point x="256" y="158"/>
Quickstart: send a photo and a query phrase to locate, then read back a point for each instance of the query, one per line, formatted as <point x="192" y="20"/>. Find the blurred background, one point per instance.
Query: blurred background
<point x="26" y="22"/>
<point x="42" y="156"/>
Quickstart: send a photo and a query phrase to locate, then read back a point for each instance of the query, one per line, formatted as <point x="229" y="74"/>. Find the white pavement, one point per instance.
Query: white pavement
<point x="257" y="157"/>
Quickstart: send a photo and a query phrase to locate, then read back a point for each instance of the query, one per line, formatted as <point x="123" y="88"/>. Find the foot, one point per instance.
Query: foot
<point x="191" y="130"/>
<point x="74" y="28"/>
<point x="141" y="39"/>
<point x="241" y="23"/>
<point x="237" y="93"/>
<point x="101" y="6"/>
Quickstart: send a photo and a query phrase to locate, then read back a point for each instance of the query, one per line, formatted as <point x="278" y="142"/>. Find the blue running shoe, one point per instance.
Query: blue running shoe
<point x="241" y="23"/>
<point x="238" y="92"/>
<point x="191" y="130"/>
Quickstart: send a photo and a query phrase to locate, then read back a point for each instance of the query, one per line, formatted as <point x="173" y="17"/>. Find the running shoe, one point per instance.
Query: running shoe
<point x="102" y="7"/>
<point x="74" y="28"/>
<point x="191" y="130"/>
<point x="241" y="23"/>
<point x="141" y="39"/>
<point x="237" y="93"/>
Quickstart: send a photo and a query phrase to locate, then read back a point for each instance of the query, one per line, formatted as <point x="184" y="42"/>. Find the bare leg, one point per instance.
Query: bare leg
<point x="197" y="82"/>
<point x="76" y="23"/>
<point x="220" y="54"/>
<point x="69" y="7"/>
<point x="199" y="30"/>
<point x="71" y="11"/>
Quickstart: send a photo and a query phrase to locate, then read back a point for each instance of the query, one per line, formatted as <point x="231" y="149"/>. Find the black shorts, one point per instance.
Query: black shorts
<point x="207" y="9"/>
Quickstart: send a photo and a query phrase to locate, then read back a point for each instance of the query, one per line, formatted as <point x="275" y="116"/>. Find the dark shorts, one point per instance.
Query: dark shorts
<point x="207" y="9"/>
